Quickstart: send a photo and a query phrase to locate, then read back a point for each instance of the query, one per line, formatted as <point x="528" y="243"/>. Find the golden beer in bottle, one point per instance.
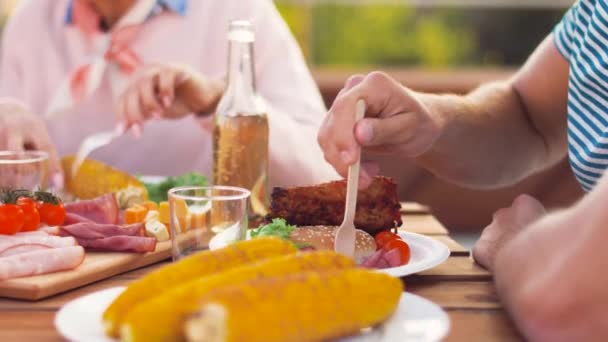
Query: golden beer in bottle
<point x="240" y="135"/>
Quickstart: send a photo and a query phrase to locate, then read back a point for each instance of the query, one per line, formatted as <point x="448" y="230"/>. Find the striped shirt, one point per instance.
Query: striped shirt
<point x="582" y="38"/>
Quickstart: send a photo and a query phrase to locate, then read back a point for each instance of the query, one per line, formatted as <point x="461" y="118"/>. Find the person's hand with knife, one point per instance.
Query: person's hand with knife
<point x="167" y="92"/>
<point x="22" y="130"/>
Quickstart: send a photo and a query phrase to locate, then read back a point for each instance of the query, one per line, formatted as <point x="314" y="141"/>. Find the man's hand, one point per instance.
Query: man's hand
<point x="506" y="223"/>
<point x="21" y="130"/>
<point x="396" y="122"/>
<point x="167" y="91"/>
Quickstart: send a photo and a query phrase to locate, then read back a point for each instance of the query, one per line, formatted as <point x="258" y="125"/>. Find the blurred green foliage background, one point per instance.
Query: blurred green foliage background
<point x="341" y="34"/>
<point x="336" y="34"/>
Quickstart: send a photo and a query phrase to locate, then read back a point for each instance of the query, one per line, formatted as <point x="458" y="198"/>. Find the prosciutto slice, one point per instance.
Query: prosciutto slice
<point x="71" y="218"/>
<point x="383" y="259"/>
<point x="102" y="209"/>
<point x="41" y="262"/>
<point x="121" y="243"/>
<point x="99" y="231"/>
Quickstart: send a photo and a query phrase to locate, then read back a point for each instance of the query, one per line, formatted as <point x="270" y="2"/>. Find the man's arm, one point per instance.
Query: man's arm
<point x="495" y="136"/>
<point x="505" y="131"/>
<point x="552" y="276"/>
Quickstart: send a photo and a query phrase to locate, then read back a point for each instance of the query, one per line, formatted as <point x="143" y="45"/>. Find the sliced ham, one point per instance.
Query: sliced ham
<point x="99" y="231"/>
<point x="373" y="259"/>
<point x="71" y="218"/>
<point x="33" y="233"/>
<point x="102" y="209"/>
<point x="383" y="259"/>
<point x="22" y="244"/>
<point x="122" y="243"/>
<point x="23" y="248"/>
<point x="393" y="257"/>
<point x="51" y="230"/>
<point x="41" y="262"/>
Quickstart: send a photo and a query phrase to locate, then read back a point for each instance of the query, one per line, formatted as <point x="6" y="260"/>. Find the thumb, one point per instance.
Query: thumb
<point x="391" y="130"/>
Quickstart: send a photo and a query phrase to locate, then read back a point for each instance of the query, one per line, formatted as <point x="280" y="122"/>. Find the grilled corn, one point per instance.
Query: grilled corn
<point x="95" y="178"/>
<point x="192" y="267"/>
<point x="175" y="305"/>
<point x="310" y="306"/>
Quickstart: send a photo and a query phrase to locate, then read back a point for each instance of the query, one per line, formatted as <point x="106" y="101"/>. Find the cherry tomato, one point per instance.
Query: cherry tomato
<point x="52" y="214"/>
<point x="11" y="219"/>
<point x="402" y="246"/>
<point x="384" y="237"/>
<point x="31" y="219"/>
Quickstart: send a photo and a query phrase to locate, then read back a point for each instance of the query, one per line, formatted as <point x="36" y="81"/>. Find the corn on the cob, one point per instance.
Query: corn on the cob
<point x="175" y="305"/>
<point x="95" y="178"/>
<point x="311" y="306"/>
<point x="192" y="267"/>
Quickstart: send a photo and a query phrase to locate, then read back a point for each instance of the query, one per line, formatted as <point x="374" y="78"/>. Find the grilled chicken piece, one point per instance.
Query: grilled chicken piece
<point x="378" y="206"/>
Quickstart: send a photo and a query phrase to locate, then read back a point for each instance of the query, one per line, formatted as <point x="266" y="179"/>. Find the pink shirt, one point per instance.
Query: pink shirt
<point x="40" y="50"/>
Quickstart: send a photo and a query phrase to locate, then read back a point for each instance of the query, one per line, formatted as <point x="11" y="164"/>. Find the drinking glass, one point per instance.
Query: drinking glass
<point x="200" y="213"/>
<point x="27" y="170"/>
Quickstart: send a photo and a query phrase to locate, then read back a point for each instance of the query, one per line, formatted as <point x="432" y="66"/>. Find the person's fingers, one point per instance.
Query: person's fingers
<point x="351" y="82"/>
<point x="386" y="131"/>
<point x="331" y="153"/>
<point x="148" y="99"/>
<point x="15" y="141"/>
<point x="528" y="209"/>
<point x="133" y="108"/>
<point x="121" y="111"/>
<point x="369" y="170"/>
<point x="337" y="133"/>
<point x="166" y="86"/>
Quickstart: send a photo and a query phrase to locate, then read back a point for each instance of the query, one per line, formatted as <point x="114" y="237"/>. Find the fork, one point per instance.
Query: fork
<point x="344" y="242"/>
<point x="93" y="142"/>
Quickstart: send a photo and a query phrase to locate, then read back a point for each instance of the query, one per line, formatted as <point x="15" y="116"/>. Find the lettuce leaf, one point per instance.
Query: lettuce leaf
<point x="157" y="192"/>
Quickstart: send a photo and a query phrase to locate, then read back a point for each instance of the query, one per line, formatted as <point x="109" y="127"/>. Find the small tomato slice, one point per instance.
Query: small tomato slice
<point x="31" y="219"/>
<point x="11" y="219"/>
<point x="402" y="247"/>
<point x="52" y="214"/>
<point x="385" y="237"/>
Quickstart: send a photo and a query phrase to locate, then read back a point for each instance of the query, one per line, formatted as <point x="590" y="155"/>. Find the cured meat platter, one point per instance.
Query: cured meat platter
<point x="96" y="266"/>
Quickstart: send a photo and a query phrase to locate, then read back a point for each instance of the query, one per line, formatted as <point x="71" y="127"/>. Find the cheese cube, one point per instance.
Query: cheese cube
<point x="164" y="213"/>
<point x="181" y="212"/>
<point x="135" y="214"/>
<point x="157" y="229"/>
<point x="151" y="215"/>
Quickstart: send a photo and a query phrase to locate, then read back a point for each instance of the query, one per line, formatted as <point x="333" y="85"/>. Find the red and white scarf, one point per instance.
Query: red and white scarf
<point x="117" y="58"/>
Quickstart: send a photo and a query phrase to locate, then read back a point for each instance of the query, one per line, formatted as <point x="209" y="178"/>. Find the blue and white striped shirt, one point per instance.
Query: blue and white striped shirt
<point x="582" y="38"/>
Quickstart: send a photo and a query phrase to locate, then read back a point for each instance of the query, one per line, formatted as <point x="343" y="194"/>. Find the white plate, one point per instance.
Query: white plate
<point x="416" y="319"/>
<point x="426" y="252"/>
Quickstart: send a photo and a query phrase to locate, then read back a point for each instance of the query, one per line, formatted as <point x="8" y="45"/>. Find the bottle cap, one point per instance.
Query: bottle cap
<point x="241" y="31"/>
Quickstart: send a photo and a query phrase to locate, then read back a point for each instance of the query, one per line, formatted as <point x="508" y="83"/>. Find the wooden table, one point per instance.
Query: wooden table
<point x="462" y="288"/>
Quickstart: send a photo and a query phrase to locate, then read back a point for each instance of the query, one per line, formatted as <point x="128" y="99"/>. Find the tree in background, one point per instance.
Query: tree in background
<point x="341" y="34"/>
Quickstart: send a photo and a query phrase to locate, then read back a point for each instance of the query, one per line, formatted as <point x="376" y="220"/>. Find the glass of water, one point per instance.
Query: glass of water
<point x="201" y="215"/>
<point x="27" y="170"/>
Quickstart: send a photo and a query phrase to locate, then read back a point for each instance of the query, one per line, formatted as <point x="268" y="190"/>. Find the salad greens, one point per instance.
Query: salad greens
<point x="278" y="227"/>
<point x="157" y="192"/>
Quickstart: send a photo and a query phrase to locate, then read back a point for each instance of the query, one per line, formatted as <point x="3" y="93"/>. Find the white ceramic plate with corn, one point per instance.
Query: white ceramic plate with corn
<point x="416" y="319"/>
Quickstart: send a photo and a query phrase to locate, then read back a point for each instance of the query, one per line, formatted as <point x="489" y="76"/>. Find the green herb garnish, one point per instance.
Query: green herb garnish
<point x="157" y="192"/>
<point x="278" y="227"/>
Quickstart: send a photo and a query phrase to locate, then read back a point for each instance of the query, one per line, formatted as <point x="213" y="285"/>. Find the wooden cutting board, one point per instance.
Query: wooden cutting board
<point x="96" y="266"/>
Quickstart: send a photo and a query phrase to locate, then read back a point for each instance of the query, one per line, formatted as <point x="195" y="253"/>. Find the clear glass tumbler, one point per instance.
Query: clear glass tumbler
<point x="202" y="213"/>
<point x="27" y="170"/>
